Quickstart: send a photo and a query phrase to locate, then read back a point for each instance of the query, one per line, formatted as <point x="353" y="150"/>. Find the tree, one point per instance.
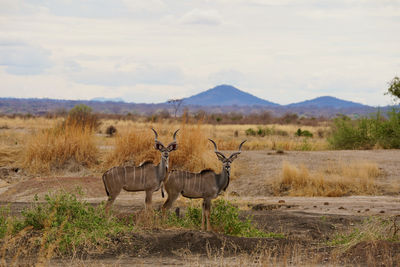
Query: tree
<point x="176" y="103"/>
<point x="394" y="89"/>
<point x="82" y="116"/>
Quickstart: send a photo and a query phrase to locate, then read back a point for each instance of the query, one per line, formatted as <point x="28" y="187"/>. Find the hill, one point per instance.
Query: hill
<point x="327" y="102"/>
<point x="226" y="95"/>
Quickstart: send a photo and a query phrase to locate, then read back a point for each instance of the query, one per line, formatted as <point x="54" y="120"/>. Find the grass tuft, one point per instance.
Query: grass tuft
<point x="342" y="179"/>
<point x="50" y="149"/>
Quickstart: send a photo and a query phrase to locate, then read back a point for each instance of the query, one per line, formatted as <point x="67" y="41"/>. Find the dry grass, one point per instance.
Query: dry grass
<point x="341" y="179"/>
<point x="135" y="145"/>
<point x="287" y="143"/>
<point x="9" y="155"/>
<point x="50" y="149"/>
<point x="33" y="123"/>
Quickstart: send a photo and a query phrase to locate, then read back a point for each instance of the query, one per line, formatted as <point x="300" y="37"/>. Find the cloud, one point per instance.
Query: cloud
<point x="233" y="77"/>
<point x="20" y="58"/>
<point x="144" y="74"/>
<point x="202" y="17"/>
<point x="148" y="5"/>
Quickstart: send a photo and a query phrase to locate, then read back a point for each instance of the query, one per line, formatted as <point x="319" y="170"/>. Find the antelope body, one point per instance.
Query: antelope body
<point x="145" y="177"/>
<point x="206" y="185"/>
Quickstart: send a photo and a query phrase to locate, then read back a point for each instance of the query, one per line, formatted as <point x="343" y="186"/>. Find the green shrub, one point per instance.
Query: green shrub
<point x="69" y="222"/>
<point x="388" y="134"/>
<point x="224" y="219"/>
<point x="250" y="132"/>
<point x="365" y="133"/>
<point x="304" y="133"/>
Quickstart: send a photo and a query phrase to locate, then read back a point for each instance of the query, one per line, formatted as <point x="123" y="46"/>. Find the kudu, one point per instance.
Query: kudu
<point x="206" y="185"/>
<point x="146" y="177"/>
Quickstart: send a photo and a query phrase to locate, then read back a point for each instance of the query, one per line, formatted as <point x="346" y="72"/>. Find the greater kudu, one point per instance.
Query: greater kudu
<point x="146" y="177"/>
<point x="206" y="185"/>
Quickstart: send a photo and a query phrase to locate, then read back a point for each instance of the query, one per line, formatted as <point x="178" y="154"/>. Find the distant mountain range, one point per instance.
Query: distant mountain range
<point x="227" y="95"/>
<point x="220" y="99"/>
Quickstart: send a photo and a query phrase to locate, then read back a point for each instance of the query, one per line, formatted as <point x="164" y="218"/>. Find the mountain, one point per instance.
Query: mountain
<point x="327" y="102"/>
<point x="102" y="99"/>
<point x="226" y="95"/>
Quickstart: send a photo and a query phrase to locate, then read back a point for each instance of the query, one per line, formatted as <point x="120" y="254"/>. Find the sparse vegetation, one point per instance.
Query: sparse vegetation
<point x="266" y="131"/>
<point x="370" y="230"/>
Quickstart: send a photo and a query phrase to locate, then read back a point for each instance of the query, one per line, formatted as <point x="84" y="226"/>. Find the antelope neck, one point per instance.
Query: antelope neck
<point x="162" y="168"/>
<point x="223" y="180"/>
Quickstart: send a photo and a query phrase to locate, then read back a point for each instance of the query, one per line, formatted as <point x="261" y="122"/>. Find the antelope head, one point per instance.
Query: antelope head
<point x="226" y="161"/>
<point x="165" y="150"/>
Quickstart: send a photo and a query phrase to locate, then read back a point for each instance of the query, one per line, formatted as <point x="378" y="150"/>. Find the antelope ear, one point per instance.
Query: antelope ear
<point x="233" y="156"/>
<point x="158" y="145"/>
<point x="220" y="156"/>
<point x="172" y="146"/>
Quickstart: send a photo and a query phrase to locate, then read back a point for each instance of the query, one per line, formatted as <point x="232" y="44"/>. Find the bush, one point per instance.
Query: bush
<point x="251" y="132"/>
<point x="69" y="222"/>
<point x="388" y="134"/>
<point x="224" y="219"/>
<point x="111" y="130"/>
<point x="365" y="133"/>
<point x="304" y="133"/>
<point x="81" y="116"/>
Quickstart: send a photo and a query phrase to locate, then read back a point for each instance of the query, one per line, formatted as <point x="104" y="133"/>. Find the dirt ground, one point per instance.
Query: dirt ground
<point x="307" y="221"/>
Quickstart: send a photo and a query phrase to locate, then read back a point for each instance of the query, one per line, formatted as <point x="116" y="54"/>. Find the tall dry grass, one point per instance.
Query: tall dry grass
<point x="340" y="179"/>
<point x="50" y="149"/>
<point x="133" y="146"/>
<point x="136" y="145"/>
<point x="9" y="155"/>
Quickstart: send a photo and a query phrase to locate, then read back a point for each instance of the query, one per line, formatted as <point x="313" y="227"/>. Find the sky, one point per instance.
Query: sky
<point x="154" y="50"/>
